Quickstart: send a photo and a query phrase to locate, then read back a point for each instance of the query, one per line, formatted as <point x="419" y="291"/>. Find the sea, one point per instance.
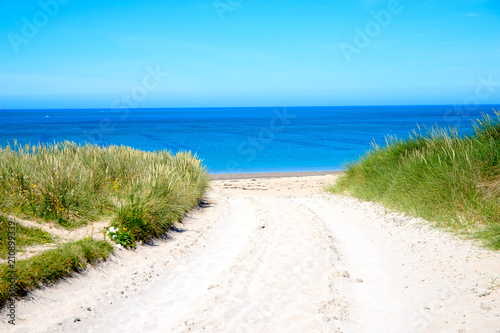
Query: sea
<point x="239" y="140"/>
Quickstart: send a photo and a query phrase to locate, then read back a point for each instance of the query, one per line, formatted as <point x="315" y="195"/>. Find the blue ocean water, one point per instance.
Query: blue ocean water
<point x="239" y="139"/>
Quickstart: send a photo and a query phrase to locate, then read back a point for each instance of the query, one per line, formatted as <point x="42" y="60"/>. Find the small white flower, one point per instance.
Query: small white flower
<point x="120" y="247"/>
<point x="113" y="229"/>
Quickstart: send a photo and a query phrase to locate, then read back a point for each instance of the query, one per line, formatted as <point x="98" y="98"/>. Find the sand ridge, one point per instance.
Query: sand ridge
<point x="278" y="255"/>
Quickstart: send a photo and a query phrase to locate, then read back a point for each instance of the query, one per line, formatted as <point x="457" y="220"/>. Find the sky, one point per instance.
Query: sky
<point x="224" y="53"/>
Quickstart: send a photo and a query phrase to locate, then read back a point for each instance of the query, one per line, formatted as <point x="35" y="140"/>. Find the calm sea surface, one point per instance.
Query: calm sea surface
<point x="239" y="139"/>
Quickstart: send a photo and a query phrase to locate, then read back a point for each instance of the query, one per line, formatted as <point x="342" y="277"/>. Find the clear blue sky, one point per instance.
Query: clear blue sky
<point x="88" y="53"/>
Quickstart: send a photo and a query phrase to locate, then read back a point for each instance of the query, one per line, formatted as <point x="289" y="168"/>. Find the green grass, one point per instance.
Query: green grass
<point x="73" y="185"/>
<point x="172" y="190"/>
<point x="52" y="265"/>
<point x="441" y="176"/>
<point x="24" y="237"/>
<point x="141" y="193"/>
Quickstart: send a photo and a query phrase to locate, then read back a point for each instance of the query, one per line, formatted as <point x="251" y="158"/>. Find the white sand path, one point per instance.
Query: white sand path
<point x="275" y="255"/>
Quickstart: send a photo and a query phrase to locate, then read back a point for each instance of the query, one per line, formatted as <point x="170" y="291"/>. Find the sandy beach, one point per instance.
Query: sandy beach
<point x="274" y="253"/>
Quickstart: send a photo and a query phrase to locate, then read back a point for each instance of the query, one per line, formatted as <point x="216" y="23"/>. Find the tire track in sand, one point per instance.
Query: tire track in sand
<point x="284" y="281"/>
<point x="161" y="304"/>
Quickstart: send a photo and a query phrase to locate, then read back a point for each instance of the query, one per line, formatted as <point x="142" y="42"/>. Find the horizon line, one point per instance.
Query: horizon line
<point x="244" y="107"/>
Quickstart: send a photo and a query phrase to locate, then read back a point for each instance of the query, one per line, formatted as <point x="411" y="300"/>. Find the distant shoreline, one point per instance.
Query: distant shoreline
<point x="229" y="176"/>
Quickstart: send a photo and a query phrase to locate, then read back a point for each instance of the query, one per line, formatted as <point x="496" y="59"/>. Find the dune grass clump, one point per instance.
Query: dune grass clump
<point x="172" y="190"/>
<point x="441" y="176"/>
<point x="73" y="185"/>
<point x="48" y="267"/>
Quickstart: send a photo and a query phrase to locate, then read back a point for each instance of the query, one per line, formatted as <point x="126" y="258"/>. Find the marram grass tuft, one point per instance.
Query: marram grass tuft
<point x="441" y="176"/>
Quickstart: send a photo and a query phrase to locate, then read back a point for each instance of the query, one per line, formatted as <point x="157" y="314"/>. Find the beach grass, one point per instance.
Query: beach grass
<point x="72" y="184"/>
<point x="48" y="267"/>
<point x="68" y="186"/>
<point x="441" y="176"/>
<point x="25" y="236"/>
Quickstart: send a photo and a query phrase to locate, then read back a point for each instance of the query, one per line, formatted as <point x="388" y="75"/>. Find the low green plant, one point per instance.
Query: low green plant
<point x="494" y="282"/>
<point x="48" y="267"/>
<point x="121" y="236"/>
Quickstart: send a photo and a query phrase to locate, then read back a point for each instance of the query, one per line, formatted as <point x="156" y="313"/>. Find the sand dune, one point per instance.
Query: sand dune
<point x="277" y="255"/>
